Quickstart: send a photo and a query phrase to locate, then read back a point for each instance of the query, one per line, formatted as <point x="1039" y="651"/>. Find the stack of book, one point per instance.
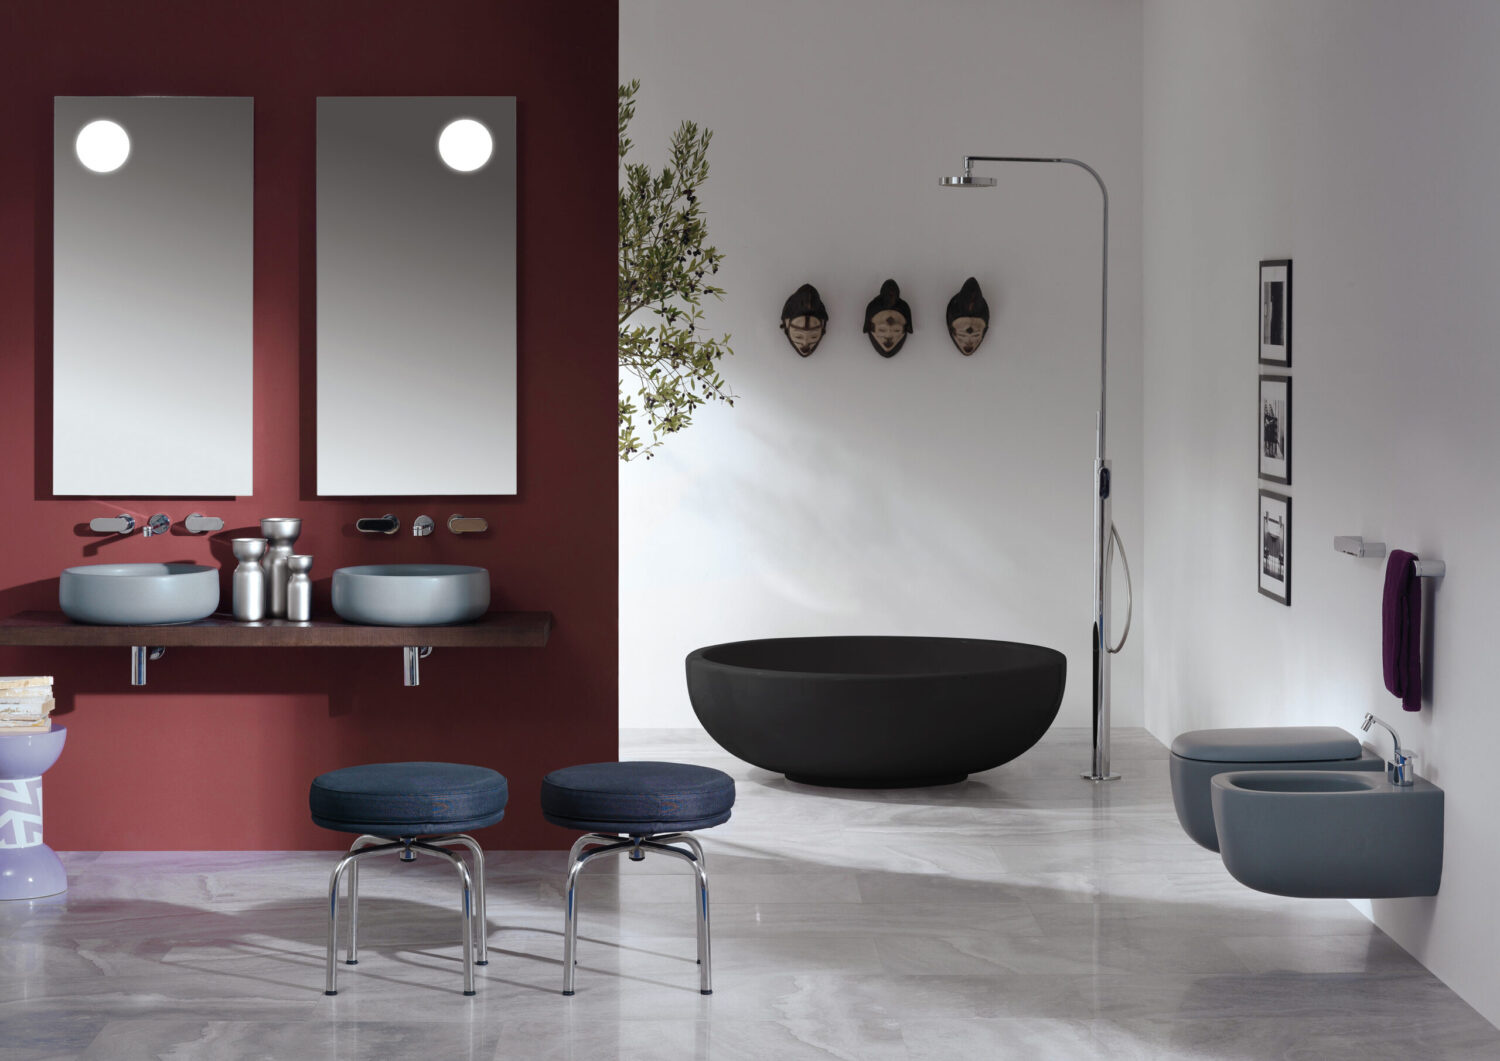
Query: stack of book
<point x="25" y="705"/>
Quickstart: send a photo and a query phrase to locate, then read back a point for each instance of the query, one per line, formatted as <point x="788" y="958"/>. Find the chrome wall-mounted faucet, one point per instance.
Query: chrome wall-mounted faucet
<point x="121" y="524"/>
<point x="386" y="524"/>
<point x="157" y="524"/>
<point x="421" y="527"/>
<point x="198" y="523"/>
<point x="1398" y="768"/>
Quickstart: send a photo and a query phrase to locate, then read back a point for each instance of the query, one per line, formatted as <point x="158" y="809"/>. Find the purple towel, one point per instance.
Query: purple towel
<point x="1401" y="629"/>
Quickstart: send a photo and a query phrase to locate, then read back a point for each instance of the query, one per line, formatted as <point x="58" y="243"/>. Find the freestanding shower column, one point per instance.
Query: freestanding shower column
<point x="1105" y="535"/>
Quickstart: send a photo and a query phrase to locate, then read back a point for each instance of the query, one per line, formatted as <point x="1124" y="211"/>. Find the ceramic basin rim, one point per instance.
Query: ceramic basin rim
<point x="143" y="570"/>
<point x="1319" y="783"/>
<point x="411" y="571"/>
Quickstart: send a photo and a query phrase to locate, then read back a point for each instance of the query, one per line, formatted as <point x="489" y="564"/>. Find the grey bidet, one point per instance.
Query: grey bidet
<point x="1329" y="834"/>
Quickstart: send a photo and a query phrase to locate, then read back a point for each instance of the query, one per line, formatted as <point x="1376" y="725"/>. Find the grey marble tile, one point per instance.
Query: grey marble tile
<point x="670" y="955"/>
<point x="245" y="1040"/>
<point x="720" y="1040"/>
<point x="867" y="919"/>
<point x="39" y="1036"/>
<point x="1178" y="996"/>
<point x="942" y="890"/>
<point x="1368" y="951"/>
<point x="725" y="886"/>
<point x="1005" y="952"/>
<point x="1330" y="1036"/>
<point x="1132" y="1041"/>
<point x="1010" y="1039"/>
<point x="1166" y="919"/>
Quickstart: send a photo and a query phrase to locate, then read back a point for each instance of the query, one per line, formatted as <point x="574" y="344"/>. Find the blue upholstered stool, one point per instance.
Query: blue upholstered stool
<point x="635" y="808"/>
<point x="391" y="806"/>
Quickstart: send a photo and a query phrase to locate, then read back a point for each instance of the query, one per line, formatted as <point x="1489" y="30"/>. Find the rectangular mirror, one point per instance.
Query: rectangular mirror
<point x="416" y="295"/>
<point x="152" y="288"/>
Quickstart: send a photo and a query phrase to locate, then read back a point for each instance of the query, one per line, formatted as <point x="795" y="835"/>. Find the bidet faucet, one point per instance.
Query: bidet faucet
<point x="1398" y="767"/>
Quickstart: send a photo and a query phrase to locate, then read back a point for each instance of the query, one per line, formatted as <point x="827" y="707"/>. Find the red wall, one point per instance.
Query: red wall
<point x="217" y="751"/>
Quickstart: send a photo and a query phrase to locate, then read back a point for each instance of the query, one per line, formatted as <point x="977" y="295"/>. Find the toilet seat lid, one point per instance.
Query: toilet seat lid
<point x="1267" y="744"/>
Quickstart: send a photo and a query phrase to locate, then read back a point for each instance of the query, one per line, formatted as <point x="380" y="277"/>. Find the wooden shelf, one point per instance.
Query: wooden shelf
<point x="495" y="630"/>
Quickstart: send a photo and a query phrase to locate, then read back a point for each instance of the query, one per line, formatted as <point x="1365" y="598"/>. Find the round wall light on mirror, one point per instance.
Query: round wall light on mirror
<point x="465" y="145"/>
<point x="102" y="145"/>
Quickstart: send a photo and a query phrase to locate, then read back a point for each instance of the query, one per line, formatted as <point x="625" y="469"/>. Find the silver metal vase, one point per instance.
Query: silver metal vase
<point x="282" y="532"/>
<point x="249" y="579"/>
<point x="299" y="588"/>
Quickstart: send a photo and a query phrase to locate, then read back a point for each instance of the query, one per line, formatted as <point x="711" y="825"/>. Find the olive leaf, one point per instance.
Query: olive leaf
<point x="665" y="271"/>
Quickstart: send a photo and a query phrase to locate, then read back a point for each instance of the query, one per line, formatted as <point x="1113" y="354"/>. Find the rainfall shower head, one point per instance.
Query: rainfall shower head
<point x="968" y="180"/>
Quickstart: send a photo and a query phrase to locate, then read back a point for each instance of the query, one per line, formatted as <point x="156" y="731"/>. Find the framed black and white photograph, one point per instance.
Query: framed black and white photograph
<point x="1276" y="546"/>
<point x="1275" y="416"/>
<point x="1276" y="312"/>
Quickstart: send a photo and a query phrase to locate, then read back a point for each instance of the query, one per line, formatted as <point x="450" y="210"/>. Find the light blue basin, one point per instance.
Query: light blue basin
<point x="411" y="594"/>
<point x="138" y="594"/>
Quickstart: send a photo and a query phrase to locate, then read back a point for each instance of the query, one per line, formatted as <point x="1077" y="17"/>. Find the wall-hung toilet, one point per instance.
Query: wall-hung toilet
<point x="1198" y="755"/>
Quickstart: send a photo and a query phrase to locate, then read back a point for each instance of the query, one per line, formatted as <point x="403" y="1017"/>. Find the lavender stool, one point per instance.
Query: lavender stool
<point x="29" y="869"/>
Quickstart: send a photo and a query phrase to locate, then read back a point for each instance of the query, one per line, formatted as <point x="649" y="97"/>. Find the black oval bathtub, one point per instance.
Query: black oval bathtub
<point x="876" y="712"/>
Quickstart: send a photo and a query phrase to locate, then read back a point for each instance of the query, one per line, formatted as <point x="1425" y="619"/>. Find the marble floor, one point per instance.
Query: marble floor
<point x="1021" y="914"/>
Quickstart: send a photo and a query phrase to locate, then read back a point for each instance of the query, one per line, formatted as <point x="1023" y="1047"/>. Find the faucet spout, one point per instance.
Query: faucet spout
<point x="1398" y="767"/>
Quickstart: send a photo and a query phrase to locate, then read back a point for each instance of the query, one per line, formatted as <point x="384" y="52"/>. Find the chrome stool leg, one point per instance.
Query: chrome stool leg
<point x="352" y="958"/>
<point x="348" y="860"/>
<point x="603" y="845"/>
<point x="700" y="886"/>
<point x="700" y="873"/>
<point x="636" y="846"/>
<point x="481" y="924"/>
<point x="468" y="911"/>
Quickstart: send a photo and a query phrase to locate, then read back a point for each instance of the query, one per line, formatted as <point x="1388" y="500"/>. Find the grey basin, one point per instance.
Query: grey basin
<point x="1329" y="834"/>
<point x="138" y="594"/>
<point x="411" y="594"/>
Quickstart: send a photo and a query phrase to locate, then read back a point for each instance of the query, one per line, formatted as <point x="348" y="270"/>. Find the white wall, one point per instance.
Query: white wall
<point x="929" y="493"/>
<point x="1359" y="139"/>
